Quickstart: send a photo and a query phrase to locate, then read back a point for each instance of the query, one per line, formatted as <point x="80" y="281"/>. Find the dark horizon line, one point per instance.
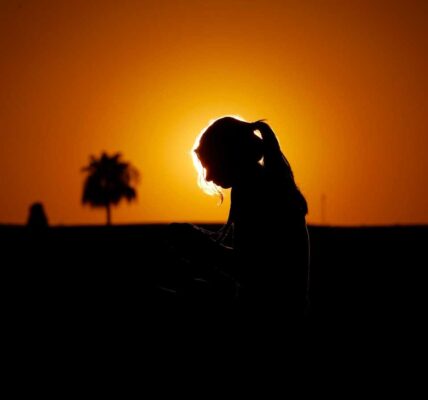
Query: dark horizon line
<point x="136" y="224"/>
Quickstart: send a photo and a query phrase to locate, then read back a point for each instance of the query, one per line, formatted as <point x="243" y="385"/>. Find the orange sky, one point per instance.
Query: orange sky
<point x="344" y="85"/>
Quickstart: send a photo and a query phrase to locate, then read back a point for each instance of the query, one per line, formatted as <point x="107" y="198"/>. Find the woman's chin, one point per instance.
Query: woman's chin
<point x="226" y="186"/>
<point x="223" y="185"/>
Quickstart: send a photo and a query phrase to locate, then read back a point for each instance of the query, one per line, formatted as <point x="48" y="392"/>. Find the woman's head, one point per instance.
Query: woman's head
<point x="226" y="149"/>
<point x="229" y="147"/>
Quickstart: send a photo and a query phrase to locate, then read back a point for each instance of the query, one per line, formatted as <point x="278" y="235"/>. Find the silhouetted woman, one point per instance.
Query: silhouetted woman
<point x="270" y="248"/>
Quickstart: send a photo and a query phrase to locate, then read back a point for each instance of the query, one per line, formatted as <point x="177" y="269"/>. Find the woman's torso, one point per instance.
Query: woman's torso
<point x="271" y="240"/>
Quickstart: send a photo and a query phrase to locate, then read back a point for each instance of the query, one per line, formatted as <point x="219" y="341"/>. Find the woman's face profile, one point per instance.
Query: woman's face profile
<point x="225" y="150"/>
<point x="219" y="173"/>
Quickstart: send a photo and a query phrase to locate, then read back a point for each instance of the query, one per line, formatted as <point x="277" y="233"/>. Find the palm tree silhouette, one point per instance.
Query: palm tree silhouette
<point x="109" y="180"/>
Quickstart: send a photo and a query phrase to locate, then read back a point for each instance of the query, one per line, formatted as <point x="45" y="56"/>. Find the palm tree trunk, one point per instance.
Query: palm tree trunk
<point x="108" y="209"/>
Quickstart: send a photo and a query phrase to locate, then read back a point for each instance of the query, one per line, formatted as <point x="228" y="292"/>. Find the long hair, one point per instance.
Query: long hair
<point x="277" y="167"/>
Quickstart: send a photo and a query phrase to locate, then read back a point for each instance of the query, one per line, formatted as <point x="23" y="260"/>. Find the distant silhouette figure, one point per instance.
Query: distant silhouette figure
<point x="109" y="180"/>
<point x="269" y="253"/>
<point x="37" y="218"/>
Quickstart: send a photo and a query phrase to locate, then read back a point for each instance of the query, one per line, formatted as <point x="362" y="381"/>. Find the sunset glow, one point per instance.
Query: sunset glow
<point x="342" y="84"/>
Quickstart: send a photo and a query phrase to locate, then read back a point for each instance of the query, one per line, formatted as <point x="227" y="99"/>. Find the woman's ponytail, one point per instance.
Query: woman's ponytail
<point x="273" y="158"/>
<point x="277" y="165"/>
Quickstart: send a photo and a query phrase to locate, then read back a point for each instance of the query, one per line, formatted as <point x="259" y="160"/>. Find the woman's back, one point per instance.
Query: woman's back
<point x="271" y="241"/>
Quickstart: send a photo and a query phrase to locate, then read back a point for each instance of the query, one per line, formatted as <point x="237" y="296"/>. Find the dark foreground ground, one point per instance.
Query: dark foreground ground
<point x="83" y="287"/>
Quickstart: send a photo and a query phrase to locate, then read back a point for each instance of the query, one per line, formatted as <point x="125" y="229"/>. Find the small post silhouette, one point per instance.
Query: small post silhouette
<point x="37" y="218"/>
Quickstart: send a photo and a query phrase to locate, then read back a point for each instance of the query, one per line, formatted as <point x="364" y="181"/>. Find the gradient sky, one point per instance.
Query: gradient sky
<point x="343" y="84"/>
